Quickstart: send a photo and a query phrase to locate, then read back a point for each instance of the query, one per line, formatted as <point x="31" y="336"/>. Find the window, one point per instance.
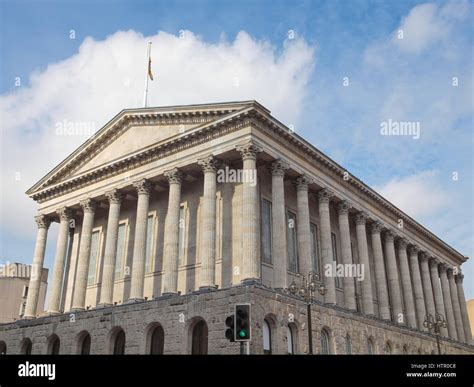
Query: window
<point x="120" y="257"/>
<point x="291" y="241"/>
<point x="324" y="342"/>
<point x="267" y="338"/>
<point x="315" y="248"/>
<point x="405" y="350"/>
<point x="157" y="341"/>
<point x="199" y="339"/>
<point x="93" y="257"/>
<point x="26" y="347"/>
<point x="370" y="347"/>
<point x="387" y="349"/>
<point x="85" y="344"/>
<point x="181" y="235"/>
<point x="53" y="345"/>
<point x="348" y="345"/>
<point x="3" y="348"/>
<point x="119" y="343"/>
<point x="335" y="257"/>
<point x="290" y="340"/>
<point x="266" y="231"/>
<point x="150" y="231"/>
<point x="25" y="291"/>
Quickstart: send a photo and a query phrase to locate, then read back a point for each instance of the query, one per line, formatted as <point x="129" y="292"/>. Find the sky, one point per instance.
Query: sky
<point x="334" y="71"/>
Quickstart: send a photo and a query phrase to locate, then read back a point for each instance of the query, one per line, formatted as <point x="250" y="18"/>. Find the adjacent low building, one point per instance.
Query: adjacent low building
<point x="14" y="286"/>
<point x="170" y="216"/>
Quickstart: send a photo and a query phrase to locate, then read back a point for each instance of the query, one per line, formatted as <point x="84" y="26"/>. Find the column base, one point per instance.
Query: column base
<point x="74" y="310"/>
<point x="104" y="305"/>
<point x="133" y="300"/>
<point x="171" y="294"/>
<point x="206" y="289"/>
<point x="53" y="313"/>
<point x="28" y="317"/>
<point x="250" y="281"/>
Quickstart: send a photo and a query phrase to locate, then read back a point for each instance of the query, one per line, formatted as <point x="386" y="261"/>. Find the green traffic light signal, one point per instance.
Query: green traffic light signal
<point x="242" y="334"/>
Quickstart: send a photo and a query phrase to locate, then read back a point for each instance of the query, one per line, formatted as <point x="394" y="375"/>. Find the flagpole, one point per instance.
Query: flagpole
<point x="145" y="95"/>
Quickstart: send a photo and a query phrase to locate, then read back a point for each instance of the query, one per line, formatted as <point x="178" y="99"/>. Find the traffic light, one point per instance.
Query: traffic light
<point x="242" y="322"/>
<point x="229" y="333"/>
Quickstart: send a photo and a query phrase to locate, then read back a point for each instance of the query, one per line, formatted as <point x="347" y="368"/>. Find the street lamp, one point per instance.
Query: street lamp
<point x="308" y="287"/>
<point x="435" y="323"/>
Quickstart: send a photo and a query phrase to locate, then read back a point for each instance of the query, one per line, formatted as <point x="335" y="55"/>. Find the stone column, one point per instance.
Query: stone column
<point x="137" y="282"/>
<point x="79" y="297"/>
<point x="346" y="251"/>
<point x="54" y="304"/>
<point x="107" y="289"/>
<point x="303" y="230"/>
<point x="447" y="302"/>
<point x="171" y="238"/>
<point x="393" y="281"/>
<point x="417" y="286"/>
<point x="279" y="226"/>
<point x="438" y="295"/>
<point x="366" y="285"/>
<point x="43" y="223"/>
<point x="380" y="276"/>
<point x="426" y="282"/>
<point x="324" y="196"/>
<point x="456" y="307"/>
<point x="462" y="303"/>
<point x="208" y="224"/>
<point x="250" y="227"/>
<point x="406" y="283"/>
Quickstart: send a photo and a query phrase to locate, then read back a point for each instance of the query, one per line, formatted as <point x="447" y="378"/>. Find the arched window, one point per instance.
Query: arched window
<point x="84" y="343"/>
<point x="405" y="350"/>
<point x="3" y="348"/>
<point x="387" y="349"/>
<point x="348" y="345"/>
<point x="290" y="338"/>
<point x="325" y="350"/>
<point x="267" y="338"/>
<point x="199" y="338"/>
<point x="26" y="347"/>
<point x="370" y="346"/>
<point x="419" y="351"/>
<point x="157" y="340"/>
<point x="119" y="343"/>
<point x="53" y="345"/>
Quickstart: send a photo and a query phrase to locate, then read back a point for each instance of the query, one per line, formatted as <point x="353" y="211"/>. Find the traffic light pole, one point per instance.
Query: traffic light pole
<point x="244" y="348"/>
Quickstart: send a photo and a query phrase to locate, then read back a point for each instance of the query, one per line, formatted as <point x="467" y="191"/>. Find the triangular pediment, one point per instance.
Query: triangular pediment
<point x="135" y="130"/>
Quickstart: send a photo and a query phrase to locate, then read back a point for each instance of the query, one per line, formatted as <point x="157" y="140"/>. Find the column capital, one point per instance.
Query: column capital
<point x="343" y="207"/>
<point x="424" y="256"/>
<point x="376" y="227"/>
<point x="443" y="267"/>
<point x="389" y="236"/>
<point x="208" y="164"/>
<point x="413" y="249"/>
<point x="361" y="218"/>
<point x="174" y="176"/>
<point x="88" y="205"/>
<point x="402" y="243"/>
<point x="433" y="261"/>
<point x="324" y="195"/>
<point x="279" y="167"/>
<point x="249" y="150"/>
<point x="114" y="196"/>
<point x="143" y="186"/>
<point x="64" y="213"/>
<point x="43" y="221"/>
<point x="302" y="182"/>
<point x="459" y="278"/>
<point x="449" y="272"/>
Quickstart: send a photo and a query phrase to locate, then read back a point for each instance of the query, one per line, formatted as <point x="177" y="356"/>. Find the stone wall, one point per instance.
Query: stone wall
<point x="177" y="315"/>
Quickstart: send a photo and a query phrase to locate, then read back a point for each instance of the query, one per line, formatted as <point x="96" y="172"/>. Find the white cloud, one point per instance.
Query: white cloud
<point x="419" y="195"/>
<point x="107" y="76"/>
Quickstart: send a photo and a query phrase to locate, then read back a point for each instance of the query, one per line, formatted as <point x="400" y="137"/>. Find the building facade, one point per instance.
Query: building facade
<point x="14" y="286"/>
<point x="169" y="216"/>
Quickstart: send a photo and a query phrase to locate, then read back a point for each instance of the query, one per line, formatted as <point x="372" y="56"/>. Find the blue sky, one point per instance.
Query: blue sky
<point x="242" y="50"/>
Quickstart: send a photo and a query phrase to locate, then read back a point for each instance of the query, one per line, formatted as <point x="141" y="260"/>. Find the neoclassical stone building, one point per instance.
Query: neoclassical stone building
<point x="169" y="216"/>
